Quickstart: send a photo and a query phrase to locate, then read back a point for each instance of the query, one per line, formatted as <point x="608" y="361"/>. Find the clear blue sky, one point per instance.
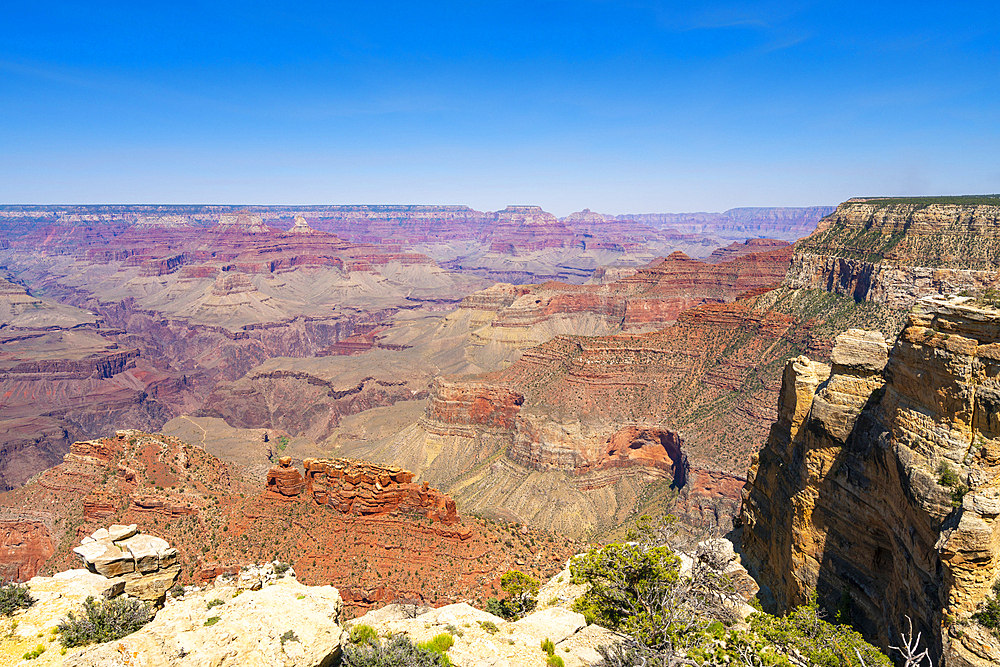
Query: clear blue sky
<point x="640" y="106"/>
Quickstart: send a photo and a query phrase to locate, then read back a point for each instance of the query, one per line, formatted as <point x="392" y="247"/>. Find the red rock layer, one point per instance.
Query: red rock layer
<point x="364" y="489"/>
<point x="471" y="404"/>
<point x="25" y="545"/>
<point x="382" y="549"/>
<point x="652" y="296"/>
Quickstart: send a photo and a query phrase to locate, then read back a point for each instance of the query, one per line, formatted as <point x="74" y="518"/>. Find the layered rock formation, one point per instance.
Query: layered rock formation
<point x="738" y="223"/>
<point x="376" y="544"/>
<point x="152" y="317"/>
<point x="880" y="487"/>
<point x="362" y="489"/>
<point x="895" y="251"/>
<point x="581" y="432"/>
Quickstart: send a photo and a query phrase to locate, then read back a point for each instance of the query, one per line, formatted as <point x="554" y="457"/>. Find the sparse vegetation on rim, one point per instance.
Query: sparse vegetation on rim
<point x="104" y="620"/>
<point x="14" y="596"/>
<point x="673" y="619"/>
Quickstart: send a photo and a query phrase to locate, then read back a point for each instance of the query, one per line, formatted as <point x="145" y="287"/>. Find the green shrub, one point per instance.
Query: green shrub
<point x="489" y="626"/>
<point x="104" y="621"/>
<point x="555" y="661"/>
<point x="548" y="646"/>
<point x="289" y="636"/>
<point x="212" y="621"/>
<point x="947" y="476"/>
<point x="989" y="615"/>
<point x="13" y="597"/>
<point x="438" y="643"/>
<point x="397" y="651"/>
<point x="822" y="644"/>
<point x="34" y="653"/>
<point x="214" y="603"/>
<point x="497" y="608"/>
<point x="624" y="579"/>
<point x="363" y="634"/>
<point x="521" y="590"/>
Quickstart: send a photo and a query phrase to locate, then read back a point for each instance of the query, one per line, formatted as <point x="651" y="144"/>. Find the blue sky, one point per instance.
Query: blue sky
<point x="621" y="107"/>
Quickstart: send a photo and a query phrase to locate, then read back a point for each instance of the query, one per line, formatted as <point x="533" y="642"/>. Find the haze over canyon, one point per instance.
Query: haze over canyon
<point x="346" y="386"/>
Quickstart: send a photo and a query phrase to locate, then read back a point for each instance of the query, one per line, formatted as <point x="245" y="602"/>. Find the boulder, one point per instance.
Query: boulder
<point x="153" y="586"/>
<point x="114" y="562"/>
<point x="145" y="550"/>
<point x="118" y="532"/>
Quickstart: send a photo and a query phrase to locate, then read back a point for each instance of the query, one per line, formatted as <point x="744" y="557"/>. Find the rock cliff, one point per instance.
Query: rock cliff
<point x="879" y="485"/>
<point x="895" y="251"/>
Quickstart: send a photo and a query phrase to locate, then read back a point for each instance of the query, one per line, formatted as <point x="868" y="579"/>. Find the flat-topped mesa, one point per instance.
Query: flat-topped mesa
<point x="243" y="221"/>
<point x="879" y="486"/>
<point x="361" y="488"/>
<point x="736" y="249"/>
<point x="898" y="250"/>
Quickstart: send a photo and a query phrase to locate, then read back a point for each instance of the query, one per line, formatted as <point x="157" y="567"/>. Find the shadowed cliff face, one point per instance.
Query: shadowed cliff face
<point x="860" y="492"/>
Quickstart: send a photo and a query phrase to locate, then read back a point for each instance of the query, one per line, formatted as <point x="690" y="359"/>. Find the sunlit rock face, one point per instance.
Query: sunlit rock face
<point x="896" y="253"/>
<point x="879" y="485"/>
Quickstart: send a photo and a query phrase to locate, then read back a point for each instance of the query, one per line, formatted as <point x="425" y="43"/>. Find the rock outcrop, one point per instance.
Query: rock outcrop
<point x="283" y="623"/>
<point x="142" y="566"/>
<point x="362" y="489"/>
<point x="485" y="639"/>
<point x="880" y="487"/>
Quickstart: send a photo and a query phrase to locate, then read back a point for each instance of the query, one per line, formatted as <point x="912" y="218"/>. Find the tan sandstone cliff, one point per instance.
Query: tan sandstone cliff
<point x="851" y="496"/>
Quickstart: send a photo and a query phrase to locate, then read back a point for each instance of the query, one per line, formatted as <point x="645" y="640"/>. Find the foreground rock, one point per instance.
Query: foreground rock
<point x="285" y="623"/>
<point x="143" y="566"/>
<point x="485" y="640"/>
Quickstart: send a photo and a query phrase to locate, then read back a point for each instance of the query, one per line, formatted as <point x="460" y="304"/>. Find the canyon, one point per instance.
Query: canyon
<point x="363" y="378"/>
